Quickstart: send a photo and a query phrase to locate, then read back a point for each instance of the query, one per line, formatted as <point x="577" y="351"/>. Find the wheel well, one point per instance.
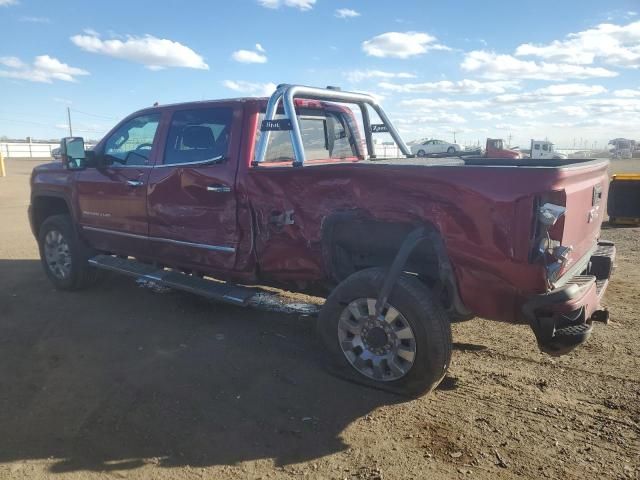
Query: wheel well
<point x="46" y="206"/>
<point x="351" y="244"/>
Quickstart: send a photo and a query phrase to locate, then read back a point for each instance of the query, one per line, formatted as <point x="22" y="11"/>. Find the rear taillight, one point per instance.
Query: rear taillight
<point x="547" y="248"/>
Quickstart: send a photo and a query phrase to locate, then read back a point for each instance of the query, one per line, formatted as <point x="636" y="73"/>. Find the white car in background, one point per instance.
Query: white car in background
<point x="428" y="147"/>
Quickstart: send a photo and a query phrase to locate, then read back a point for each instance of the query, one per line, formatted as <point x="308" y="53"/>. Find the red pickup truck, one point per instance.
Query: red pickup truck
<point x="209" y="197"/>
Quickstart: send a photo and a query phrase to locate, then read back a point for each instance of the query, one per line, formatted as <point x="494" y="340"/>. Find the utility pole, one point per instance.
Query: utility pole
<point x="69" y="119"/>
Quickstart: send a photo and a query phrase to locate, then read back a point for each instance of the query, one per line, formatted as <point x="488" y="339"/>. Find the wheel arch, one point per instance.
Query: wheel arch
<point x="353" y="241"/>
<point x="45" y="205"/>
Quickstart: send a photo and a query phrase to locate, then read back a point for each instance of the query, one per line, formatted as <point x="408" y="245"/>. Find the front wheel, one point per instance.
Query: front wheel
<point x="451" y="150"/>
<point x="63" y="255"/>
<point x="406" y="349"/>
<point x="422" y="153"/>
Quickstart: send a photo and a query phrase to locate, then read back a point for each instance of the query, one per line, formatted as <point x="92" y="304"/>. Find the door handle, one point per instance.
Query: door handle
<point x="218" y="188"/>
<point x="134" y="183"/>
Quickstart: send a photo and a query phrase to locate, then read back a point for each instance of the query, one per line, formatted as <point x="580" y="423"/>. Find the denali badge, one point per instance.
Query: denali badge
<point x="96" y="214"/>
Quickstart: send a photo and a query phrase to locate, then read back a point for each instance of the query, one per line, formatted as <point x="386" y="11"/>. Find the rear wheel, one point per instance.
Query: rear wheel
<point x="63" y="255"/>
<point x="406" y="349"/>
<point x="451" y="150"/>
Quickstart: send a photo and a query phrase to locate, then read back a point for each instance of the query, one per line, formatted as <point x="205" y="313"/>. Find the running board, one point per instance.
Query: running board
<point x="215" y="290"/>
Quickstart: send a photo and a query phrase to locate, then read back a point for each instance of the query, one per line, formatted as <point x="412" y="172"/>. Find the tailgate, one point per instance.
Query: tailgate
<point x="586" y="189"/>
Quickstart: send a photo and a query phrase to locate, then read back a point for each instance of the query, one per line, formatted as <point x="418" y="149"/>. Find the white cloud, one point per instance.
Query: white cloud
<point x="428" y="104"/>
<point x="299" y="4"/>
<point x="35" y="19"/>
<point x="617" y="45"/>
<point x="260" y="48"/>
<point x="401" y="45"/>
<point x="614" y="106"/>
<point x="154" y="53"/>
<point x="552" y="93"/>
<point x="571" y="89"/>
<point x="6" y="3"/>
<point x="359" y="75"/>
<point x="346" y="13"/>
<point x="442" y="117"/>
<point x="626" y="93"/>
<point x="250" y="88"/>
<point x="495" y="66"/>
<point x="45" y="69"/>
<point x="11" y="62"/>
<point x="446" y="86"/>
<point x="487" y="115"/>
<point x="249" y="56"/>
<point x="573" y="111"/>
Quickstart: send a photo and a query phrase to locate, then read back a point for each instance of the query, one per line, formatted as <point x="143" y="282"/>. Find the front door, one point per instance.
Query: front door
<point x="192" y="198"/>
<point x="111" y="197"/>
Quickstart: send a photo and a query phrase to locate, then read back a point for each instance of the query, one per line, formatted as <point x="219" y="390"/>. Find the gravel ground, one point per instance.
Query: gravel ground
<point x="122" y="381"/>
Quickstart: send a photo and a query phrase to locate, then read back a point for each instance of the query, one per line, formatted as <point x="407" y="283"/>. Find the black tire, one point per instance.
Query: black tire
<point x="451" y="150"/>
<point x="421" y="153"/>
<point x="81" y="275"/>
<point x="431" y="329"/>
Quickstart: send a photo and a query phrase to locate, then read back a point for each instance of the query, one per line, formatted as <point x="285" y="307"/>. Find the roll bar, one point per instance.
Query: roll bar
<point x="287" y="94"/>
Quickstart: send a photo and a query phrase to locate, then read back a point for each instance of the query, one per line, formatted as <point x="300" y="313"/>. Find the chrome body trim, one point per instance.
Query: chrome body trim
<point x="216" y="248"/>
<point x="218" y="188"/>
<point x="209" y="161"/>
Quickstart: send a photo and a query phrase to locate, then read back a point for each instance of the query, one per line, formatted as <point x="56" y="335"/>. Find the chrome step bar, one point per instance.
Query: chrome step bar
<point x="215" y="290"/>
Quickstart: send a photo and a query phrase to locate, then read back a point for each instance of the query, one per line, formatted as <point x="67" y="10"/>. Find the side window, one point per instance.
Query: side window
<point x="198" y="135"/>
<point x="131" y="143"/>
<point x="545" y="147"/>
<point x="537" y="146"/>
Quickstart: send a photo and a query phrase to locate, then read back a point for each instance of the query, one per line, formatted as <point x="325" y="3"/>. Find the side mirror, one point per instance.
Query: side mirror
<point x="72" y="153"/>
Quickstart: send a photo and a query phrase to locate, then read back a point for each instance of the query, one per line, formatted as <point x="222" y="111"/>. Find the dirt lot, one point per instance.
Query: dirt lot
<point x="122" y="382"/>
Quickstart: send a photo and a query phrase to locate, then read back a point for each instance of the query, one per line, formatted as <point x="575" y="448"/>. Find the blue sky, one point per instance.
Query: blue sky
<point x="566" y="70"/>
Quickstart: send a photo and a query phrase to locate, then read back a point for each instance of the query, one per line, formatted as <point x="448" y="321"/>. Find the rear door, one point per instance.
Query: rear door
<point x="192" y="198"/>
<point x="112" y="197"/>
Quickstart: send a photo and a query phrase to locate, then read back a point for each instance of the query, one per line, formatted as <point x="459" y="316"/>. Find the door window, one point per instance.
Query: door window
<point x="198" y="135"/>
<point x="545" y="147"/>
<point x="131" y="143"/>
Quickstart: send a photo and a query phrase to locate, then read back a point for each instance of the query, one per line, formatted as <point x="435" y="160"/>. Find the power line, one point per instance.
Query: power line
<point x="92" y="114"/>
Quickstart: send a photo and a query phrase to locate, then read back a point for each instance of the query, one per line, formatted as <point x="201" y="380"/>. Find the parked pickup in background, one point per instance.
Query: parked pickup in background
<point x="287" y="192"/>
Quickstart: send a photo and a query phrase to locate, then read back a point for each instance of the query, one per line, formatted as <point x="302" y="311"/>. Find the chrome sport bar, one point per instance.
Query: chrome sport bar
<point x="288" y="93"/>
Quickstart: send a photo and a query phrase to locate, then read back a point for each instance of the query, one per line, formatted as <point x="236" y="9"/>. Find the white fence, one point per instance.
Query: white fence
<point x="27" y="150"/>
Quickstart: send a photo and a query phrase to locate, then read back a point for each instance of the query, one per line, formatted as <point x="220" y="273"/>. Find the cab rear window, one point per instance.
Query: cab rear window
<point x="325" y="135"/>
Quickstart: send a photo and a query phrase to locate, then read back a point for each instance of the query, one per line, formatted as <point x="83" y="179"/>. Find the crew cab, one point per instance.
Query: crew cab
<point x="212" y="196"/>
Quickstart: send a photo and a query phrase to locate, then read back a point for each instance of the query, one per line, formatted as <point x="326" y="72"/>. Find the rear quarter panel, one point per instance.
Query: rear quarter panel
<point x="484" y="213"/>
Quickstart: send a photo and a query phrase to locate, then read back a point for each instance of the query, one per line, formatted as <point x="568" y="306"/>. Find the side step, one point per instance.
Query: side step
<point x="220" y="291"/>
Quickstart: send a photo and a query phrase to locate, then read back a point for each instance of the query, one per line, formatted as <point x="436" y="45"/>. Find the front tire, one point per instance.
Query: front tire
<point x="421" y="153"/>
<point x="64" y="256"/>
<point x="451" y="150"/>
<point x="406" y="350"/>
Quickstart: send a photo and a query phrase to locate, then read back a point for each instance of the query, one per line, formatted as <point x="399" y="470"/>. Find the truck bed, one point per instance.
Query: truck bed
<point x="487" y="162"/>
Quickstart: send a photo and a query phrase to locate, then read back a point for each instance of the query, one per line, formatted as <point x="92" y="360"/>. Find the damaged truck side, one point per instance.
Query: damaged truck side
<point x="286" y="192"/>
